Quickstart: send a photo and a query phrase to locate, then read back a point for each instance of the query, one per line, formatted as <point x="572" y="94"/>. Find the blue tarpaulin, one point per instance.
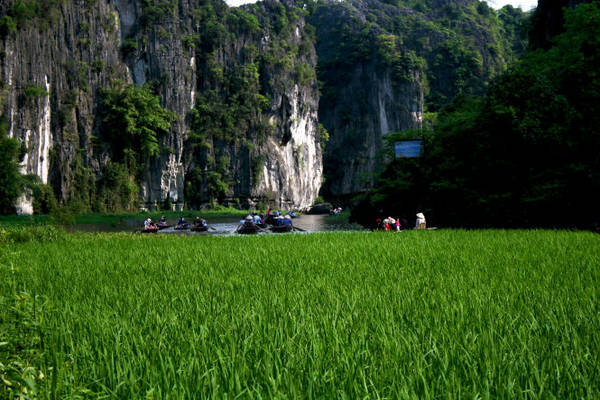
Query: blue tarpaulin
<point x="408" y="148"/>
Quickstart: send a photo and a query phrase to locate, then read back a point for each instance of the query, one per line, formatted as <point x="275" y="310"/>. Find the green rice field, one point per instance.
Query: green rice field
<point x="421" y="314"/>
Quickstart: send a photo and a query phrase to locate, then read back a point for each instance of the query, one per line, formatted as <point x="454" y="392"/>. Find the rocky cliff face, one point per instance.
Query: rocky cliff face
<point x="47" y="69"/>
<point x="372" y="86"/>
<point x="54" y="66"/>
<point x="382" y="65"/>
<point x="256" y="129"/>
<point x="369" y="105"/>
<point x="243" y="84"/>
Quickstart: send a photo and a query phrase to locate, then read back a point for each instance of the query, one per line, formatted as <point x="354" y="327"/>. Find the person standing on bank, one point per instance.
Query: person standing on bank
<point x="420" y="224"/>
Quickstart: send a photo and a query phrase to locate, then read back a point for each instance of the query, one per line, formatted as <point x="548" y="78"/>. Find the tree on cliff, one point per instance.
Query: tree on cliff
<point x="133" y="120"/>
<point x="11" y="180"/>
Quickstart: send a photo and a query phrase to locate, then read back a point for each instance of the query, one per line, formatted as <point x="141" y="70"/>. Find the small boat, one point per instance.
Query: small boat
<point x="247" y="229"/>
<point x="282" y="228"/>
<point x="149" y="230"/>
<point x="199" y="228"/>
<point x="181" y="227"/>
<point x="270" y="219"/>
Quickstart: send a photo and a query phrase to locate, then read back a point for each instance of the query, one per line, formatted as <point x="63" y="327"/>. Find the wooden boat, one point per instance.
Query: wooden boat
<point x="270" y="219"/>
<point x="247" y="229"/>
<point x="149" y="230"/>
<point x="282" y="228"/>
<point x="199" y="228"/>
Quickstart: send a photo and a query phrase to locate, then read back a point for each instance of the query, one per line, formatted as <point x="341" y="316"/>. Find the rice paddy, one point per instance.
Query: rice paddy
<point x="420" y="314"/>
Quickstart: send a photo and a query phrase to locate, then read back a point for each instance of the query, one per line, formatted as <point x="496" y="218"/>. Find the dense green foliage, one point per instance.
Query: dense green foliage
<point x="22" y="14"/>
<point x="32" y="91"/>
<point x="526" y="154"/>
<point x="459" y="46"/>
<point x="490" y="314"/>
<point x="132" y="122"/>
<point x="11" y="181"/>
<point x="44" y="201"/>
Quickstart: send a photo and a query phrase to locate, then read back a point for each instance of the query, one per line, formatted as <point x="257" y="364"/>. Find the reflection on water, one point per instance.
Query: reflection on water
<point x="308" y="223"/>
<point x="319" y="223"/>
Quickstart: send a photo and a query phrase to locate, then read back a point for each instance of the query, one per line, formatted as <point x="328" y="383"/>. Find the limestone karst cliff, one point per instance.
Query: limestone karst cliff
<point x="384" y="65"/>
<point x="251" y="117"/>
<point x="56" y="58"/>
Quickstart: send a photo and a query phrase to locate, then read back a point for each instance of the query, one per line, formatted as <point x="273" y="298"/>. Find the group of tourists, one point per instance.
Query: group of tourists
<point x="151" y="226"/>
<point x="255" y="222"/>
<point x="252" y="223"/>
<point x="198" y="225"/>
<point x="389" y="224"/>
<point x="397" y="224"/>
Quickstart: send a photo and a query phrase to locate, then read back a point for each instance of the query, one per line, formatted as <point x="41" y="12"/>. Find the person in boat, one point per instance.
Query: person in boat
<point x="149" y="225"/>
<point x="246" y="223"/>
<point x="256" y="219"/>
<point x="277" y="213"/>
<point x="262" y="218"/>
<point x="181" y="221"/>
<point x="277" y="221"/>
<point x="162" y="220"/>
<point x="398" y="224"/>
<point x="287" y="221"/>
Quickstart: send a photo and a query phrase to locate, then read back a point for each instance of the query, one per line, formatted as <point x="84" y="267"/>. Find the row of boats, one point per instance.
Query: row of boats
<point x="251" y="224"/>
<point x="277" y="224"/>
<point x="150" y="226"/>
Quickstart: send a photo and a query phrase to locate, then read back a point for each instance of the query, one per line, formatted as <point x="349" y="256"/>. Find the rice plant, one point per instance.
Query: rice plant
<point x="422" y="314"/>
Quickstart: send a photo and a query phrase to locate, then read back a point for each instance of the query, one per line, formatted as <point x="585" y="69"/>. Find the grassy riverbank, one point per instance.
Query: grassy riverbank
<point x="61" y="218"/>
<point x="415" y="314"/>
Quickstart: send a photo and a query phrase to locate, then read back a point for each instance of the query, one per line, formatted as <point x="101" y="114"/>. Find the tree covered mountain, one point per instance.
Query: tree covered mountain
<point x="387" y="66"/>
<point x="242" y="100"/>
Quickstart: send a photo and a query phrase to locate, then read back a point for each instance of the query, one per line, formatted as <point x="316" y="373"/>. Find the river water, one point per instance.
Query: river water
<point x="221" y="226"/>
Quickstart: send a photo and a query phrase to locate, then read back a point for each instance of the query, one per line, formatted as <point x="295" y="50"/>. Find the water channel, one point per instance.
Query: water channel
<point x="220" y="226"/>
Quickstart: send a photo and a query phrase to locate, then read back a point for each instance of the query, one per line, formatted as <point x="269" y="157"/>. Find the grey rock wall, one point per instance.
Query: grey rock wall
<point x="365" y="96"/>
<point x="79" y="53"/>
<point x="58" y="56"/>
<point x="371" y="105"/>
